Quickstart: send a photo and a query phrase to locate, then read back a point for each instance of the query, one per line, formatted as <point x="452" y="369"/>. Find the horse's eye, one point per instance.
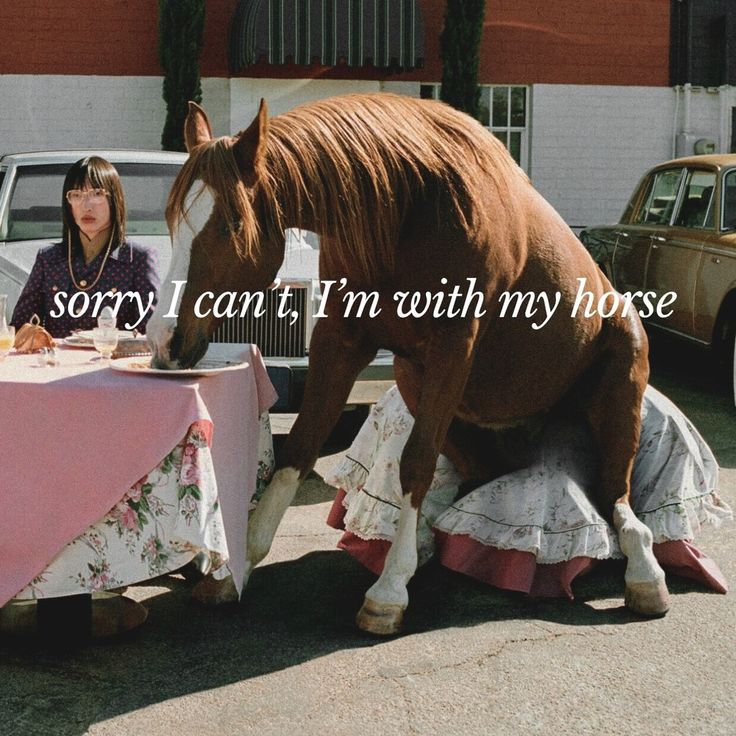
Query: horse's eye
<point x="231" y="227"/>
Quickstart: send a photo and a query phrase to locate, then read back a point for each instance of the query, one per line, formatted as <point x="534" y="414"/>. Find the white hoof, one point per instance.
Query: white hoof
<point x="648" y="599"/>
<point x="380" y="619"/>
<point x="215" y="592"/>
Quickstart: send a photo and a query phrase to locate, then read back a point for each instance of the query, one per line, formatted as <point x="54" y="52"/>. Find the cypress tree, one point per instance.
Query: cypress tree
<point x="460" y="43"/>
<point x="180" y="32"/>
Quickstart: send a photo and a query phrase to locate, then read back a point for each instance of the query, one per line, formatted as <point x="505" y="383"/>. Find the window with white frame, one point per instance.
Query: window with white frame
<point x="503" y="109"/>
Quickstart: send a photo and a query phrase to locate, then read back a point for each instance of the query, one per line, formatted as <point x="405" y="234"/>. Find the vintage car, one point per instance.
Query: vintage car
<point x="30" y="217"/>
<point x="678" y="234"/>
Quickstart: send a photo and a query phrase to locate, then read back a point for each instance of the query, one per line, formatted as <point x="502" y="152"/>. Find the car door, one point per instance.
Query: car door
<point x="631" y="258"/>
<point x="677" y="250"/>
<point x="717" y="274"/>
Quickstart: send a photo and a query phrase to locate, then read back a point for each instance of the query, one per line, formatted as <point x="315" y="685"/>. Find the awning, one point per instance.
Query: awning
<point x="381" y="33"/>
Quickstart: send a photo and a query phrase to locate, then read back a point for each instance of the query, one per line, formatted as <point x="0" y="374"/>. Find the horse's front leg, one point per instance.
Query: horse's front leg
<point x="446" y="370"/>
<point x="336" y="357"/>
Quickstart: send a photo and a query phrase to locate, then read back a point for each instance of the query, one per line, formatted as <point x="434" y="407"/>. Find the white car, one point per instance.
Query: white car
<point x="30" y="217"/>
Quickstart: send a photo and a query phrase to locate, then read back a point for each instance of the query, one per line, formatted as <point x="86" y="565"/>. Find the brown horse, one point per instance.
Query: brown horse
<point x="411" y="196"/>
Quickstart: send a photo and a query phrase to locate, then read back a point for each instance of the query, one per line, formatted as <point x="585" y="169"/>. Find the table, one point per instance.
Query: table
<point x="78" y="439"/>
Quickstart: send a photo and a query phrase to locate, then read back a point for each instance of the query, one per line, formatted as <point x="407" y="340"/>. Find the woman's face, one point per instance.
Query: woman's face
<point x="91" y="209"/>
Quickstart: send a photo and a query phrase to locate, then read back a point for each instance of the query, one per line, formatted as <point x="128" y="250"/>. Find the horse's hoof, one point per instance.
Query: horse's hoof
<point x="648" y="599"/>
<point x="215" y="592"/>
<point x="380" y="619"/>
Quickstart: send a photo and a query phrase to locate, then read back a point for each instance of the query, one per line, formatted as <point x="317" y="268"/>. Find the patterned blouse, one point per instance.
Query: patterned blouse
<point x="130" y="278"/>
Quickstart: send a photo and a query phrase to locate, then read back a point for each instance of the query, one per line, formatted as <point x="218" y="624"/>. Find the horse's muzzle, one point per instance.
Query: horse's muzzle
<point x="187" y="355"/>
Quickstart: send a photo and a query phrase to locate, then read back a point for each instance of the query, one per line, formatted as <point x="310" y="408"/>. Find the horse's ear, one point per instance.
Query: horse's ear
<point x="250" y="145"/>
<point x="197" y="128"/>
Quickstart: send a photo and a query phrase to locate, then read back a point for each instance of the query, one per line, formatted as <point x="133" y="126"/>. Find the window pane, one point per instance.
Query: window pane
<point x="729" y="201"/>
<point x="484" y="107"/>
<point x="35" y="204"/>
<point x="500" y="106"/>
<point x="661" y="197"/>
<point x="518" y="107"/>
<point x="502" y="136"/>
<point x="146" y="188"/>
<point x="515" y="145"/>
<point x="696" y="202"/>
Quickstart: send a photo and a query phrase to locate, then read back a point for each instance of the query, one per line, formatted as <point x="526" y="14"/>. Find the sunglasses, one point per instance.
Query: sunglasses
<point x="93" y="196"/>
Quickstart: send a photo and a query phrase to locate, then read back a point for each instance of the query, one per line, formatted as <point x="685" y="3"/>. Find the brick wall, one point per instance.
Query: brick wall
<point x="103" y="38"/>
<point x="537" y="41"/>
<point x="524" y="41"/>
<point x="576" y="42"/>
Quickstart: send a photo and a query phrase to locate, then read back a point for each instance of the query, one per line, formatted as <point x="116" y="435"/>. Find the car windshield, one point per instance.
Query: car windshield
<point x="35" y="205"/>
<point x="661" y="197"/>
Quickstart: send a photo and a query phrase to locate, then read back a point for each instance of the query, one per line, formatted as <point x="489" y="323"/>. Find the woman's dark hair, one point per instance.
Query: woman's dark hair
<point x="94" y="172"/>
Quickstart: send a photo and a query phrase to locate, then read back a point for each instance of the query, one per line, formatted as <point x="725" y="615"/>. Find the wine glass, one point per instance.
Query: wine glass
<point x="7" y="339"/>
<point x="105" y="340"/>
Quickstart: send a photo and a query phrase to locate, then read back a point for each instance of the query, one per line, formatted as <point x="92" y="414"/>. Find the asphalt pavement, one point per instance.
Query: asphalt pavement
<point x="472" y="660"/>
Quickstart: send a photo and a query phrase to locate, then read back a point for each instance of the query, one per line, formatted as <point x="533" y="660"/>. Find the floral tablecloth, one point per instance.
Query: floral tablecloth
<point x="165" y="519"/>
<point x="79" y="435"/>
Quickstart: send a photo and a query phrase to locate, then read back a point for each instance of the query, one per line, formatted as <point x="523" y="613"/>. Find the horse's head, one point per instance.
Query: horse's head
<point x="217" y="240"/>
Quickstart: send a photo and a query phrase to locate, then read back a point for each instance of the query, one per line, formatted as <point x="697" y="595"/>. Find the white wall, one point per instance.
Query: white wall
<point x="284" y="94"/>
<point x="38" y="112"/>
<point x="590" y="145"/>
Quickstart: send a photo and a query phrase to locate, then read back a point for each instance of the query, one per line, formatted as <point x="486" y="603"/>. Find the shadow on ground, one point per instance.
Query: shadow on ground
<point x="293" y="612"/>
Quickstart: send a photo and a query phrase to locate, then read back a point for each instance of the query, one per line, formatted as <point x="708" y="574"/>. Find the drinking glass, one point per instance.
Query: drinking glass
<point x="105" y="341"/>
<point x="7" y="338"/>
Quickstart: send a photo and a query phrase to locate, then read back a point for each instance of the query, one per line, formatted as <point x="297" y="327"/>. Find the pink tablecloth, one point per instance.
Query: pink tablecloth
<point x="76" y="437"/>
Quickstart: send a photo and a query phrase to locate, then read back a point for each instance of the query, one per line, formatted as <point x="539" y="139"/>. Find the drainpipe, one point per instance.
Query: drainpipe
<point x="684" y="140"/>
<point x="724" y="100"/>
<point x="675" y="120"/>
<point x="686" y="110"/>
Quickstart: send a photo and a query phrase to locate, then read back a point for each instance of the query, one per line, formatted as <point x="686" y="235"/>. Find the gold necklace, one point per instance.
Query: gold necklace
<point x="82" y="285"/>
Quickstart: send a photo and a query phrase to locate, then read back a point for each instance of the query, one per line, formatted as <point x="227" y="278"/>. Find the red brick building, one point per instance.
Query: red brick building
<point x="581" y="92"/>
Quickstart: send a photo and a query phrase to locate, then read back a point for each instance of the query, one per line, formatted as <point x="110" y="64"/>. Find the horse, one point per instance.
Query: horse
<point x="411" y="196"/>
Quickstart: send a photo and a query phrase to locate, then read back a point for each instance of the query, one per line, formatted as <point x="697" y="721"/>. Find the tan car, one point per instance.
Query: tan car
<point x="678" y="234"/>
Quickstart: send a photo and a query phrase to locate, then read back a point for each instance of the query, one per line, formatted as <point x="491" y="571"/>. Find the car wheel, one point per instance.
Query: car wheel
<point x="725" y="345"/>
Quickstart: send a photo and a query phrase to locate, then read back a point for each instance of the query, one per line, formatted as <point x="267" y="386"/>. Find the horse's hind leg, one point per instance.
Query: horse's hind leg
<point x="613" y="409"/>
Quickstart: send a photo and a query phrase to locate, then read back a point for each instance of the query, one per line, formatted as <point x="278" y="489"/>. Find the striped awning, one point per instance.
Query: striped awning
<point x="381" y="33"/>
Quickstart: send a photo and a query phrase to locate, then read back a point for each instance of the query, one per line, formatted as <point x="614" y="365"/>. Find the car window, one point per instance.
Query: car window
<point x="660" y="198"/>
<point x="35" y="205"/>
<point x="696" y="207"/>
<point x="728" y="218"/>
<point x="35" y="202"/>
<point x="146" y="188"/>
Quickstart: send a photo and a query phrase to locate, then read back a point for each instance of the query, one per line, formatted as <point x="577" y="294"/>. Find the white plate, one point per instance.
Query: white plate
<point x="88" y="336"/>
<point x="205" y="367"/>
<point x="78" y="340"/>
<point x="73" y="341"/>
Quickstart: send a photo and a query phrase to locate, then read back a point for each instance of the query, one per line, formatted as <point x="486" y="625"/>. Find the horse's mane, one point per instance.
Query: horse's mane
<point x="351" y="167"/>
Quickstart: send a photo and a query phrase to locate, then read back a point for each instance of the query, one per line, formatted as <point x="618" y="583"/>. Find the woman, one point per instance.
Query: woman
<point x="95" y="265"/>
